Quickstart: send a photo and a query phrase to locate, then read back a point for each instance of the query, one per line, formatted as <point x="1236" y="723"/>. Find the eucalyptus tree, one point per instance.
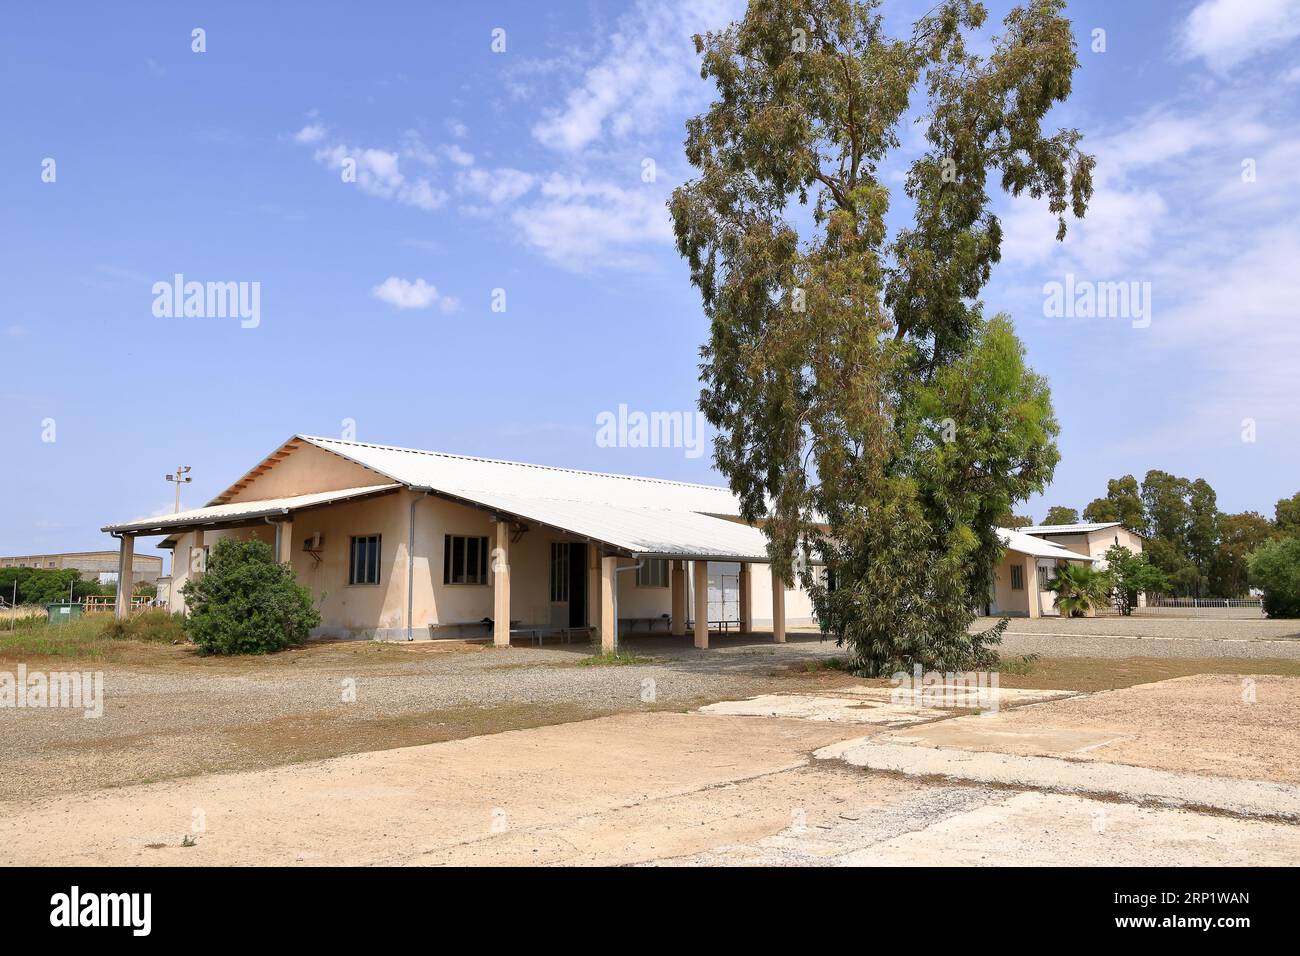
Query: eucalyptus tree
<point x="868" y="414"/>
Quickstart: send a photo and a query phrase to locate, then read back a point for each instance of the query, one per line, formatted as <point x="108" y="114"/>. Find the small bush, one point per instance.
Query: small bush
<point x="1017" y="665"/>
<point x="246" y="602"/>
<point x="155" y="626"/>
<point x="1275" y="568"/>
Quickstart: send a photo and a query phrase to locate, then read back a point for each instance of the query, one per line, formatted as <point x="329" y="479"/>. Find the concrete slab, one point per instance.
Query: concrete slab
<point x="883" y="706"/>
<point x="1139" y="784"/>
<point x="1043" y="829"/>
<point x="824" y="708"/>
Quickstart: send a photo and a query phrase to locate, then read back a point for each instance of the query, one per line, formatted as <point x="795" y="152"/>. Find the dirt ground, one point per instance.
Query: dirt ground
<point x="1246" y="728"/>
<point x="670" y="787"/>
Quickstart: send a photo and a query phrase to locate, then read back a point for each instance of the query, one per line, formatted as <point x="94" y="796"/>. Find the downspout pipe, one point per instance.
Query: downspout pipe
<point x="410" y="564"/>
<point x="617" y="571"/>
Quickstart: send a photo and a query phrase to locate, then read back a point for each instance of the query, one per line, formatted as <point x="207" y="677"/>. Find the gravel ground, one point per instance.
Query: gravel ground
<point x="175" y="714"/>
<point x="193" y="716"/>
<point x="1146" y="627"/>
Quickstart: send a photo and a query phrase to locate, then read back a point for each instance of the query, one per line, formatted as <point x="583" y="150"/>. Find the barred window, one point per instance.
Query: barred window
<point x="363" y="564"/>
<point x="653" y="574"/>
<point x="464" y="559"/>
<point x="559" y="571"/>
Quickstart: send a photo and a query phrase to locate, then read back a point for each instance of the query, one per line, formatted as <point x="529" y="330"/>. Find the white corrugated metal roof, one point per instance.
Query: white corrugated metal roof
<point x="472" y="477"/>
<point x="243" y="510"/>
<point x="639" y="516"/>
<point x="1081" y="528"/>
<point x="1028" y="544"/>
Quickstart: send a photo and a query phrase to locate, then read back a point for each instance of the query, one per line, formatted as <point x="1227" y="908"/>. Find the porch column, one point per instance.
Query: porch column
<point x="702" y="604"/>
<point x="1031" y="585"/>
<point x="679" y="597"/>
<point x="778" y="608"/>
<point x="125" y="563"/>
<point x="746" y="599"/>
<point x="593" y="586"/>
<point x="284" y="542"/>
<point x="501" y="586"/>
<point x="608" y="581"/>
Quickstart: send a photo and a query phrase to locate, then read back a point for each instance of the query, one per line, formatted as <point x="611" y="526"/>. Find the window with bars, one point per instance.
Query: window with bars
<point x="464" y="559"/>
<point x="363" y="562"/>
<point x="653" y="574"/>
<point x="1017" y="577"/>
<point x="559" y="571"/>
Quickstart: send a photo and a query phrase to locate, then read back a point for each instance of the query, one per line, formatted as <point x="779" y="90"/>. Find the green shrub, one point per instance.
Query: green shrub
<point x="247" y="603"/>
<point x="156" y="626"/>
<point x="1275" y="568"/>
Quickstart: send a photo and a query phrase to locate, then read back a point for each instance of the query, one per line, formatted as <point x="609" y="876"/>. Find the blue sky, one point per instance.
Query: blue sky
<point x="522" y="171"/>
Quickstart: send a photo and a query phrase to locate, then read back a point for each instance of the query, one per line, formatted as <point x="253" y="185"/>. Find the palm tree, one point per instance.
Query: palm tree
<point x="1079" y="589"/>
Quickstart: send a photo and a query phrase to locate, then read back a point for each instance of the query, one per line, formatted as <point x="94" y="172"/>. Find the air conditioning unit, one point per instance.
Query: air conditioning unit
<point x="313" y="543"/>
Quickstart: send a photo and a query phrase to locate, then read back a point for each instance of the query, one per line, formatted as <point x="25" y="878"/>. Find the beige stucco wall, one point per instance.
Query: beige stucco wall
<point x="379" y="610"/>
<point x="306" y="470"/>
<point x="1007" y="601"/>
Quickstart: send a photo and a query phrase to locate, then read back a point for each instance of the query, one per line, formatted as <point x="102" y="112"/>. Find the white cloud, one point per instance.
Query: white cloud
<point x="379" y="173"/>
<point x="581" y="224"/>
<point x="405" y="294"/>
<point x="458" y="156"/>
<point x="1226" y="32"/>
<point x="311" y="133"/>
<point x="649" y="69"/>
<point x="496" y="185"/>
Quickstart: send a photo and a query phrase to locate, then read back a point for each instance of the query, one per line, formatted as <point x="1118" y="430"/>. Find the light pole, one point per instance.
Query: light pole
<point x="180" y="479"/>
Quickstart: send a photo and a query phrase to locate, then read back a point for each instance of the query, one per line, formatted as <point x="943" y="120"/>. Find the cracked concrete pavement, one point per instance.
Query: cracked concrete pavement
<point x="1050" y="779"/>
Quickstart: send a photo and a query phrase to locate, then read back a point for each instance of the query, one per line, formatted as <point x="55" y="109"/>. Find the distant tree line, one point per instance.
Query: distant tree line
<point x="1202" y="551"/>
<point x="45" y="586"/>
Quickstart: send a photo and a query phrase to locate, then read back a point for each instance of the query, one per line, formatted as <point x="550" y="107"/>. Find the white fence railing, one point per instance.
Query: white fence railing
<point x="1204" y="602"/>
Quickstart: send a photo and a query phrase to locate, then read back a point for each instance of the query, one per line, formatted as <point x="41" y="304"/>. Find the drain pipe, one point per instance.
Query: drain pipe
<point x="617" y="571"/>
<point x="410" y="564"/>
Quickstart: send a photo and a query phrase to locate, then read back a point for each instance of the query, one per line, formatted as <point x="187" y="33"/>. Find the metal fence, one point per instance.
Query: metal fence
<point x="1227" y="608"/>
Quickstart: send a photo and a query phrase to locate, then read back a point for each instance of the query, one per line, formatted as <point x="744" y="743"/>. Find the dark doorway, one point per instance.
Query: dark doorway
<point x="577" y="585"/>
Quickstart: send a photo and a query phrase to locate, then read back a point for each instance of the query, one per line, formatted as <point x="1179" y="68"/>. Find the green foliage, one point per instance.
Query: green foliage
<point x="155" y="626"/>
<point x="38" y="586"/>
<point x="1133" y="574"/>
<point x="247" y="603"/>
<point x="1018" y="665"/>
<point x="145" y="589"/>
<point x="1079" y="589"/>
<point x="867" y="412"/>
<point x="1057" y="514"/>
<point x="1287" y="515"/>
<point x="1123" y="503"/>
<point x="1239" y="535"/>
<point x="1275" y="568"/>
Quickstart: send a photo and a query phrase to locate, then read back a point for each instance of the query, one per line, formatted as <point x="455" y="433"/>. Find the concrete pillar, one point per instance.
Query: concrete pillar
<point x="1031" y="586"/>
<point x="702" y="604"/>
<point x="501" y="586"/>
<point x="284" y="542"/>
<point x="608" y="581"/>
<point x="746" y="599"/>
<point x="678" y="569"/>
<point x="778" y="608"/>
<point x="593" y="586"/>
<point x="125" y="563"/>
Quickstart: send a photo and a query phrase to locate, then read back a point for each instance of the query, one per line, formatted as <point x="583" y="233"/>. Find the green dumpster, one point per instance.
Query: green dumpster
<point x="62" y="613"/>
